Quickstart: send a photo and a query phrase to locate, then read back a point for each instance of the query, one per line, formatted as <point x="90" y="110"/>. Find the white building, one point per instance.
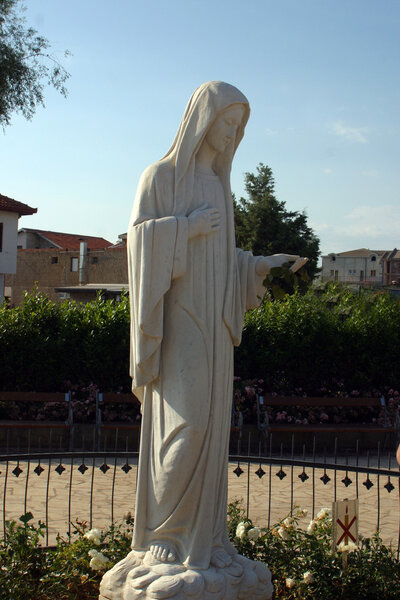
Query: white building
<point x="10" y="211"/>
<point x="354" y="267"/>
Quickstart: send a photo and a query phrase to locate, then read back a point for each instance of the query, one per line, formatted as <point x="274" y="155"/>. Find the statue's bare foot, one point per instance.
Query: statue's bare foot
<point x="220" y="558"/>
<point x="163" y="552"/>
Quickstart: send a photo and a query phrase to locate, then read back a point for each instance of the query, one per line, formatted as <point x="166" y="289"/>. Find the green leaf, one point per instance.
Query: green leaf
<point x="26" y="518"/>
<point x="278" y="292"/>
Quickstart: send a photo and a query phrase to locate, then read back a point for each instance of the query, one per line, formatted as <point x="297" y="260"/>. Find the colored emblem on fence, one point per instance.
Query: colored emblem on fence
<point x="344" y="523"/>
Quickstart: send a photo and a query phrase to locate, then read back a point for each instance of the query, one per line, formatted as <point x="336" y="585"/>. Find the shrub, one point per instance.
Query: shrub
<point x="52" y="347"/>
<point x="301" y="561"/>
<point x="327" y="342"/>
<point x="303" y="565"/>
<point x="71" y="570"/>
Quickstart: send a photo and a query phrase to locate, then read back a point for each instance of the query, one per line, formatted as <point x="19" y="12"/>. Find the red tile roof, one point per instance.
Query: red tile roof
<point x="10" y="205"/>
<point x="71" y="241"/>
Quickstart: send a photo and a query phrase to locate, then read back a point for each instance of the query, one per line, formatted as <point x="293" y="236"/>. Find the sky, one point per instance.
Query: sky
<point x="322" y="78"/>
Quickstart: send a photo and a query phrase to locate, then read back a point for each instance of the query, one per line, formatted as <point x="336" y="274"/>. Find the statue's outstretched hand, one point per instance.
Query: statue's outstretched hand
<point x="203" y="221"/>
<point x="266" y="263"/>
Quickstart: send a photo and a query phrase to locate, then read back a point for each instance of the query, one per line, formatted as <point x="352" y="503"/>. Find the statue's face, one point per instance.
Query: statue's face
<point x="223" y="131"/>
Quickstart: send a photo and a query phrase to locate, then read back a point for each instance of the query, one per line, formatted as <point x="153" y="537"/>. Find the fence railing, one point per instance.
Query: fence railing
<point x="61" y="488"/>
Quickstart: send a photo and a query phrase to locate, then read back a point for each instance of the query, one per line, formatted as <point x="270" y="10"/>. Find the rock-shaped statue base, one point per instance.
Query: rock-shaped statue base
<point x="140" y="576"/>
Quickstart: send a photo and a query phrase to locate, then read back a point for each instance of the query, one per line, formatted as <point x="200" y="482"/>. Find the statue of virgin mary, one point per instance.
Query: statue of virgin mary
<point x="189" y="290"/>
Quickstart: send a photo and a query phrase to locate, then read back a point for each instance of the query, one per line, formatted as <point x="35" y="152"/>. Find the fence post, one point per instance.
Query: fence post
<point x="99" y="400"/>
<point x="70" y="420"/>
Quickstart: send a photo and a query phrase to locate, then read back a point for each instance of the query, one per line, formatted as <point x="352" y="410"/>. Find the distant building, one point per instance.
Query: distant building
<point x="362" y="267"/>
<point x="354" y="267"/>
<point x="64" y="265"/>
<point x="391" y="267"/>
<point x="10" y="211"/>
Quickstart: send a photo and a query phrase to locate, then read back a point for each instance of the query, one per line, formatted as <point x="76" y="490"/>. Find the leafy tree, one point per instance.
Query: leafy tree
<point x="264" y="226"/>
<point x="25" y="65"/>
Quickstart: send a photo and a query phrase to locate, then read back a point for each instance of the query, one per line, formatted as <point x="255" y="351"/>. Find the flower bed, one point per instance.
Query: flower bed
<point x="245" y="398"/>
<point x="245" y="392"/>
<point x="83" y="400"/>
<point x="302" y="564"/>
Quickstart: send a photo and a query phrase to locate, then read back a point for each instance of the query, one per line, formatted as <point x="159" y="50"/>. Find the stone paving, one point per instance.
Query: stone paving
<point x="269" y="498"/>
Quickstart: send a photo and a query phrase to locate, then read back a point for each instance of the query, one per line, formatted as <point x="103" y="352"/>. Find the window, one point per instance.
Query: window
<point x="373" y="258"/>
<point x="95" y="260"/>
<point x="373" y="272"/>
<point x="54" y="260"/>
<point x="1" y="237"/>
<point x="74" y="264"/>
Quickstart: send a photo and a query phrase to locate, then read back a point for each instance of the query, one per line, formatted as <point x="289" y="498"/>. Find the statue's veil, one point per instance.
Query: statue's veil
<point x="206" y="103"/>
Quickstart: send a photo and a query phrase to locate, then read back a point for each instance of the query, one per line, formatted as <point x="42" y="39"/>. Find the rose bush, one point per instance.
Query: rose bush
<point x="302" y="564"/>
<point x="304" y="567"/>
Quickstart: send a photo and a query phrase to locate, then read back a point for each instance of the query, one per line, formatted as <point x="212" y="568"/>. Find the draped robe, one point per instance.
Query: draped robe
<point x="188" y="299"/>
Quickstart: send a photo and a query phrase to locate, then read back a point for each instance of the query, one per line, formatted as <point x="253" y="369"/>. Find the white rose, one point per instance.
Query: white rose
<point x="324" y="512"/>
<point x="283" y="533"/>
<point x="290" y="582"/>
<point x="311" y="527"/>
<point x="350" y="547"/>
<point x="302" y="512"/>
<point x="96" y="564"/>
<point x="241" y="530"/>
<point x="254" y="533"/>
<point x="93" y="535"/>
<point x="308" y="578"/>
<point x="288" y="522"/>
<point x="98" y="560"/>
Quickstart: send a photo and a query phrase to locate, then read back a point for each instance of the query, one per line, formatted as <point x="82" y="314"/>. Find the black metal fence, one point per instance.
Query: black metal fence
<point x="61" y="487"/>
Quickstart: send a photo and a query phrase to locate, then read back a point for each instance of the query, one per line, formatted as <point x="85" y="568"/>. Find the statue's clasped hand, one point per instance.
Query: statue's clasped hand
<point x="266" y="263"/>
<point x="203" y="221"/>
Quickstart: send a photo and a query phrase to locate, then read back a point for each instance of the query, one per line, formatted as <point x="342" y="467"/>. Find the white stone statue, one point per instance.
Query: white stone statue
<point x="189" y="290"/>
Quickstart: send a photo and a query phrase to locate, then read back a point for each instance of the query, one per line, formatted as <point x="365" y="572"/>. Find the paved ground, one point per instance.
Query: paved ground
<point x="269" y="498"/>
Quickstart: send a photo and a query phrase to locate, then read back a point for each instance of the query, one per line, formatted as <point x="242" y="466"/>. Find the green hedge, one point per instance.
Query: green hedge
<point x="327" y="341"/>
<point x="53" y="347"/>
